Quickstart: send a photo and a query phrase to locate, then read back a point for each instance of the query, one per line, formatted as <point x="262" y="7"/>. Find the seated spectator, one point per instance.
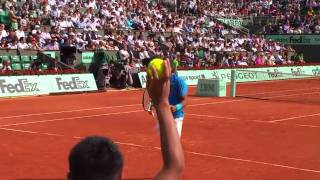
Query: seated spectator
<point x="143" y="54"/>
<point x="298" y="58"/>
<point x="3" y="32"/>
<point x="22" y="44"/>
<point x="6" y="66"/>
<point x="279" y="59"/>
<point x="54" y="66"/>
<point x="124" y="54"/>
<point x="99" y="158"/>
<point x="53" y="45"/>
<point x="35" y="66"/>
<point x="259" y="60"/>
<point x="20" y="32"/>
<point x="225" y="61"/>
<point x="270" y="60"/>
<point x="13" y="45"/>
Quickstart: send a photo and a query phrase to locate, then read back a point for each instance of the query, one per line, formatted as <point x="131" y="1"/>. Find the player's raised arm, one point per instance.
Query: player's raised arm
<point x="172" y="154"/>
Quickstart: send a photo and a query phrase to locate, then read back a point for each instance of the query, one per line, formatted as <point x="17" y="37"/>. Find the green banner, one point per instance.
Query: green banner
<point x="232" y="22"/>
<point x="296" y="39"/>
<point x="87" y="57"/>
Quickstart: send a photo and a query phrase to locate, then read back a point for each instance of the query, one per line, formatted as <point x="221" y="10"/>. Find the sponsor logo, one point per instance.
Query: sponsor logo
<point x="297" y="72"/>
<point x="193" y="77"/>
<point x="75" y="83"/>
<point x="316" y="72"/>
<point x="239" y="75"/>
<point x="22" y="86"/>
<point x="275" y="73"/>
<point x="246" y="75"/>
<point x="299" y="40"/>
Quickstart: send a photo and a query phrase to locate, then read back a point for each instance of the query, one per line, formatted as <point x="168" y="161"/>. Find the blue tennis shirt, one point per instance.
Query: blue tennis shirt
<point x="178" y="89"/>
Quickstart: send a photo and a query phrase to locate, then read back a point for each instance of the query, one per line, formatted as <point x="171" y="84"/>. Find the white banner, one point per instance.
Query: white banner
<point x="45" y="84"/>
<point x="23" y="86"/>
<point x="72" y="83"/>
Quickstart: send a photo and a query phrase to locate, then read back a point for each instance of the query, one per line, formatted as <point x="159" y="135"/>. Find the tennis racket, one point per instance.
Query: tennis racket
<point x="147" y="104"/>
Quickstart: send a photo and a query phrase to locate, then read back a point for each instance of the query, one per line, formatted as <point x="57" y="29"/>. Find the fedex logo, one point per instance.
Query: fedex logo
<point x="75" y="83"/>
<point x="22" y="86"/>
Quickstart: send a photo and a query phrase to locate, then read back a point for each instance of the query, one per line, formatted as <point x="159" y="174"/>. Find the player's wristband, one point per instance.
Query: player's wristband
<point x="179" y="107"/>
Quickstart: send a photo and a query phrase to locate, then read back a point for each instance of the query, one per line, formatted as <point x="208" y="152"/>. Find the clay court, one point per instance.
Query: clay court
<point x="270" y="132"/>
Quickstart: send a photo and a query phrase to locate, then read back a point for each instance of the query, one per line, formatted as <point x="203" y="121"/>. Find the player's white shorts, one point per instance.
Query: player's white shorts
<point x="179" y="122"/>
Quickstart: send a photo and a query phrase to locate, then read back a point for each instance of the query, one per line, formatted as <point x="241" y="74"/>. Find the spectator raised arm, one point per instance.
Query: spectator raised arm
<point x="99" y="158"/>
<point x="171" y="148"/>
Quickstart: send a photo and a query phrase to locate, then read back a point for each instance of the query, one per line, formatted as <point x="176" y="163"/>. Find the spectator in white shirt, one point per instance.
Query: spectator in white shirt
<point x="22" y="44"/>
<point x="13" y="45"/>
<point x="81" y="23"/>
<point x="3" y="32"/>
<point x="45" y="35"/>
<point x="143" y="54"/>
<point x="53" y="45"/>
<point x="91" y="4"/>
<point x="124" y="53"/>
<point x="66" y="23"/>
<point x="20" y="33"/>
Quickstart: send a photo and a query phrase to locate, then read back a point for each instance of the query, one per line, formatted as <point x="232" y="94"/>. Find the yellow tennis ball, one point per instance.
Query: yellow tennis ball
<point x="158" y="64"/>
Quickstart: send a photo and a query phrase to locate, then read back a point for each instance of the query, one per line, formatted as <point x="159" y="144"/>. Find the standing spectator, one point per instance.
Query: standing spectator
<point x="13" y="18"/>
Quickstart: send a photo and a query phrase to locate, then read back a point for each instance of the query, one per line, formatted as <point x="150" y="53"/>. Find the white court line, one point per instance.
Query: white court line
<point x="63" y="119"/>
<point x="295" y="117"/>
<point x="267" y="92"/>
<point x="30" y="132"/>
<point x="188" y="152"/>
<point x="306" y="125"/>
<point x="238" y="100"/>
<point x="288" y="90"/>
<point x="257" y="121"/>
<point x="280" y="80"/>
<point x="75" y="110"/>
<point x="219" y="117"/>
<point x="129" y="105"/>
<point x="126" y="112"/>
<point x="254" y="162"/>
<point x="288" y="95"/>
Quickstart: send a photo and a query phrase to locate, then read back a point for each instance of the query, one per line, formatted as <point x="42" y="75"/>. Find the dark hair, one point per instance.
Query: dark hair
<point x="95" y="158"/>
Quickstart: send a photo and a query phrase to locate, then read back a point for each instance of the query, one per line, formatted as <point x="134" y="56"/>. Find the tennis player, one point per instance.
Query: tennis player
<point x="177" y="96"/>
<point x="177" y="99"/>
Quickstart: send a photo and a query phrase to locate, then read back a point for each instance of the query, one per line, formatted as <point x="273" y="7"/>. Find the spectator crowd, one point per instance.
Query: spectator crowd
<point x="138" y="29"/>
